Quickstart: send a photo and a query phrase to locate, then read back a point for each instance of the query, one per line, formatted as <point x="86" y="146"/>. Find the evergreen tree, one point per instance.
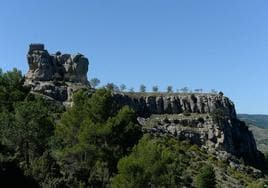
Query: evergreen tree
<point x="142" y="88"/>
<point x="169" y="89"/>
<point x="94" y="136"/>
<point x="94" y="82"/>
<point x="155" y="88"/>
<point x="11" y="89"/>
<point x="152" y="163"/>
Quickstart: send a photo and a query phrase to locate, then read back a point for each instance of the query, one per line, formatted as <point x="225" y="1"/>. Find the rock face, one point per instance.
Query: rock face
<point x="177" y="103"/>
<point x="59" y="67"/>
<point x="208" y="120"/>
<point x="56" y="76"/>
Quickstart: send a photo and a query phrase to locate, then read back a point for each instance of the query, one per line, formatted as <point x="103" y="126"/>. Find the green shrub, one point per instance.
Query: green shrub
<point x="206" y="177"/>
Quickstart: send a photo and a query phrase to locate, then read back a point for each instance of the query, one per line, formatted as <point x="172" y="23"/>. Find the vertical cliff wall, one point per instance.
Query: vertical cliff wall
<point x="164" y="103"/>
<point x="208" y="120"/>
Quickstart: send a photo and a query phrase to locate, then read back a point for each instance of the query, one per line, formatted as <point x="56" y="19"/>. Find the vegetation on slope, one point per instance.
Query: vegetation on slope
<point x="95" y="143"/>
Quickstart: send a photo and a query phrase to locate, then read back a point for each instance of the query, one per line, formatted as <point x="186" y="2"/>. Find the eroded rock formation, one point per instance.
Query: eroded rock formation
<point x="58" y="67"/>
<point x="56" y="76"/>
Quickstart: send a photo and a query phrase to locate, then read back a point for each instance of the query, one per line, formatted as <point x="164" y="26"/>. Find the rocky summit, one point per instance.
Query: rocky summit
<point x="57" y="76"/>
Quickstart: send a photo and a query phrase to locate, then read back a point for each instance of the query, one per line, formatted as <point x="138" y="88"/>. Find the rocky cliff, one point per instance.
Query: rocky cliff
<point x="157" y="103"/>
<point x="208" y="120"/>
<point x="56" y="76"/>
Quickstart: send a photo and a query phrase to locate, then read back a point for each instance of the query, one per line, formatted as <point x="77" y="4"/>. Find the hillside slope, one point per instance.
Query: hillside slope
<point x="259" y="120"/>
<point x="258" y="124"/>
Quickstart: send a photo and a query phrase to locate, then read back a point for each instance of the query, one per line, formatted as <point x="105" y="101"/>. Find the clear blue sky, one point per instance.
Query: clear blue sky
<point x="221" y="44"/>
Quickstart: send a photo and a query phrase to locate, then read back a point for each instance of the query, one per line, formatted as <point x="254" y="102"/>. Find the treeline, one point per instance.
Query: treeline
<point x="94" y="82"/>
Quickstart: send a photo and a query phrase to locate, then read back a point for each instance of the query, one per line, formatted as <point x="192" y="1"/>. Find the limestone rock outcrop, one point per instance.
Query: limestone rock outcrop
<point x="195" y="117"/>
<point x="56" y="76"/>
<point x="58" y="67"/>
<point x="146" y="104"/>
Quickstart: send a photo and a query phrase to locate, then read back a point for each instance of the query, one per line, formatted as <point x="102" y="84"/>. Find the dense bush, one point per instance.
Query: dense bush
<point x="11" y="89"/>
<point x="154" y="162"/>
<point x="206" y="178"/>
